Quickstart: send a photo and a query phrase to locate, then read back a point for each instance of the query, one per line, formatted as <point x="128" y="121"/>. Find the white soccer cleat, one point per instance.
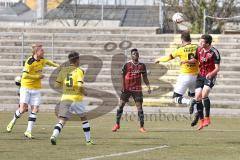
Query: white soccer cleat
<point x="53" y="140"/>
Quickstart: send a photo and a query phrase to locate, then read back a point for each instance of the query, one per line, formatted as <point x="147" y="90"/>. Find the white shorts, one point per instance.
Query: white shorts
<point x="30" y="96"/>
<point x="67" y="108"/>
<point x="185" y="82"/>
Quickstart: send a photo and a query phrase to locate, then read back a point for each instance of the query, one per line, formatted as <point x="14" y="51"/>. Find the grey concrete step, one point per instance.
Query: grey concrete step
<point x="155" y="52"/>
<point x="99" y="44"/>
<point x="93" y="30"/>
<point x="106" y="64"/>
<point x="117" y="36"/>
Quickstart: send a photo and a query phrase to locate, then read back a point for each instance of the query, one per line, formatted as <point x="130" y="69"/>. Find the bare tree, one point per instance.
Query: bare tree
<point x="193" y="11"/>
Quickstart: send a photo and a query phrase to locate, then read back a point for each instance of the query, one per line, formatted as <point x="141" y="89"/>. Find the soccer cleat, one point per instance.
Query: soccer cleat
<point x="88" y="143"/>
<point x="115" y="127"/>
<point x="195" y="120"/>
<point x="142" y="130"/>
<point x="10" y="126"/>
<point x="206" y="121"/>
<point x="201" y="124"/>
<point x="28" y="134"/>
<point x="53" y="140"/>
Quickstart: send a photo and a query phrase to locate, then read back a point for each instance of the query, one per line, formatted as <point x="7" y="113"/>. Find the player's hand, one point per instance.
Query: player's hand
<point x="209" y="76"/>
<point x="183" y="62"/>
<point x="42" y="76"/>
<point x="149" y="90"/>
<point x="85" y="92"/>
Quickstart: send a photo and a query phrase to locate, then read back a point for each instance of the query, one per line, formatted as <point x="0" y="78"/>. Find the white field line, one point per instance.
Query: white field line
<point x="125" y="153"/>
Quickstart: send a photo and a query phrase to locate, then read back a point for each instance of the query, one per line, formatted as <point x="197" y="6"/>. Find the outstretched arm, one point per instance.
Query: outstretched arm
<point x="164" y="59"/>
<point x="51" y="63"/>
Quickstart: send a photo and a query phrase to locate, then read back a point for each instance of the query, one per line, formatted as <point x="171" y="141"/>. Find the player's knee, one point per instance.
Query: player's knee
<point x="139" y="106"/>
<point x="23" y="107"/>
<point x="122" y="104"/>
<point x="83" y="118"/>
<point x="35" y="109"/>
<point x="62" y="120"/>
<point x="206" y="101"/>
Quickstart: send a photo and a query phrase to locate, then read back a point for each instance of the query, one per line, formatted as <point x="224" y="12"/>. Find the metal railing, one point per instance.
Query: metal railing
<point x="118" y="2"/>
<point x="21" y="38"/>
<point x="7" y="3"/>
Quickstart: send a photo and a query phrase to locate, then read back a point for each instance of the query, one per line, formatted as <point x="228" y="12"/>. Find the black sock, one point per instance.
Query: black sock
<point x="141" y="118"/>
<point x="200" y="109"/>
<point x="207" y="104"/>
<point x="119" y="115"/>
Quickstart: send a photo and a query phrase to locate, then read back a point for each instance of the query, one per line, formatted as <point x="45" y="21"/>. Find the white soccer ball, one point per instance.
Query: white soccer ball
<point x="177" y="18"/>
<point x="17" y="79"/>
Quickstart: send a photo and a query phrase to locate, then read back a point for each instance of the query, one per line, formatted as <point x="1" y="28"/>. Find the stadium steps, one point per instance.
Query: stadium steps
<point x="155" y="52"/>
<point x="79" y="30"/>
<point x="99" y="44"/>
<point x="226" y="90"/>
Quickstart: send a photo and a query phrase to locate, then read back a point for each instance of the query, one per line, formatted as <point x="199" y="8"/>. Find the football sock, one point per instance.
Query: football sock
<point x="16" y="116"/>
<point x="119" y="115"/>
<point x="86" y="129"/>
<point x="141" y="118"/>
<point x="57" y="129"/>
<point x="31" y="120"/>
<point x="207" y="104"/>
<point x="200" y="109"/>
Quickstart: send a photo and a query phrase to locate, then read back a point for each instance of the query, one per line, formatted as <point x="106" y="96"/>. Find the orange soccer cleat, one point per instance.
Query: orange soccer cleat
<point x="201" y="124"/>
<point x="142" y="130"/>
<point x="206" y="121"/>
<point x="115" y="127"/>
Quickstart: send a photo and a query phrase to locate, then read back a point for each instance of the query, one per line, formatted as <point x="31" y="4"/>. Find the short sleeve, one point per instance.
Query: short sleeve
<point x="217" y="57"/>
<point x="60" y="77"/>
<point x="26" y="68"/>
<point x="144" y="69"/>
<point x="80" y="76"/>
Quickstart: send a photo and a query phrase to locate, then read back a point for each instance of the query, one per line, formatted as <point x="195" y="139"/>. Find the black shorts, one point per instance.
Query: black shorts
<point x="137" y="96"/>
<point x="201" y="81"/>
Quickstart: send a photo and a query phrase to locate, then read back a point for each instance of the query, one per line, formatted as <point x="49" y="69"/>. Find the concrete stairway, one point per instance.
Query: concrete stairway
<point x="90" y="42"/>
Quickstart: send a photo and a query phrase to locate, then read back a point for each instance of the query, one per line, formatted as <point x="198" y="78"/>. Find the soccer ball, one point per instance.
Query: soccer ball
<point x="17" y="80"/>
<point x="178" y="18"/>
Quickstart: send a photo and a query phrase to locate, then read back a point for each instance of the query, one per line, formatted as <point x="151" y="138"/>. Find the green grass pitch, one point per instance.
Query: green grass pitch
<point x="219" y="141"/>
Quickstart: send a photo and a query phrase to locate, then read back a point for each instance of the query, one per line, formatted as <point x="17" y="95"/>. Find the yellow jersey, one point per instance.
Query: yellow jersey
<point x="71" y="79"/>
<point x="185" y="53"/>
<point x="32" y="72"/>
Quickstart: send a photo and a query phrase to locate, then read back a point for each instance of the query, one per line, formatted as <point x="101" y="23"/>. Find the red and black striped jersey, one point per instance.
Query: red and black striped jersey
<point x="207" y="60"/>
<point x="132" y="75"/>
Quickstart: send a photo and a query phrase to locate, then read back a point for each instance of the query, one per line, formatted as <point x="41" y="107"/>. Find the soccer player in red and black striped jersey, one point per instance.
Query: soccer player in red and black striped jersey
<point x="209" y="65"/>
<point x="132" y="73"/>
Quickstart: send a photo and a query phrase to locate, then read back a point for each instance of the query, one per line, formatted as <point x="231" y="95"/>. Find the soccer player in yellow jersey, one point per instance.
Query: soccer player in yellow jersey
<point x="70" y="80"/>
<point x="188" y="72"/>
<point x="30" y="87"/>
